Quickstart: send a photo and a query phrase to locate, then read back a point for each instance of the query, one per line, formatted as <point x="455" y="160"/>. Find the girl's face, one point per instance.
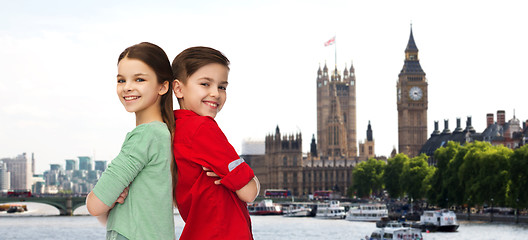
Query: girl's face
<point x="138" y="88"/>
<point x="205" y="91"/>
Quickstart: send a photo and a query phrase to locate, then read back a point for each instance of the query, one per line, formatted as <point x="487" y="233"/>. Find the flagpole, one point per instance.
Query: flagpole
<point x="335" y="51"/>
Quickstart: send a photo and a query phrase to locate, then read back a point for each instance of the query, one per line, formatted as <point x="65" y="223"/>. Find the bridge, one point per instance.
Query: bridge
<point x="65" y="203"/>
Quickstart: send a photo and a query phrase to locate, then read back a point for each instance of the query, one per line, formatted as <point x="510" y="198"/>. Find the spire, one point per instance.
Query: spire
<point x="345" y="73"/>
<point x="411" y="45"/>
<point x="369" y="132"/>
<point x="313" y="146"/>
<point x="352" y="70"/>
<point x="319" y="70"/>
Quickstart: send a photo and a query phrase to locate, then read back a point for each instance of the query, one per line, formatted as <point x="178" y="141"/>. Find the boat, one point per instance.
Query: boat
<point x="15" y="208"/>
<point x="439" y="220"/>
<point x="297" y="210"/>
<point x="330" y="210"/>
<point x="395" y="233"/>
<point x="370" y="212"/>
<point x="265" y="207"/>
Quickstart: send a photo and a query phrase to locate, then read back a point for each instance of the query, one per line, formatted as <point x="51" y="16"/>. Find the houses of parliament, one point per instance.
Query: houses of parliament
<point x="334" y="151"/>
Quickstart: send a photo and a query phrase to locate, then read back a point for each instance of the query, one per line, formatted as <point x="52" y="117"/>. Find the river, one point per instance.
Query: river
<point x="41" y="222"/>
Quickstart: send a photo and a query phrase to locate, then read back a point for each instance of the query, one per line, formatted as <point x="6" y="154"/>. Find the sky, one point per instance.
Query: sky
<point x="58" y="62"/>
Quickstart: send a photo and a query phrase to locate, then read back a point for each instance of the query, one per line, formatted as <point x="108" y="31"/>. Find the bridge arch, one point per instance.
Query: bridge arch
<point x="65" y="204"/>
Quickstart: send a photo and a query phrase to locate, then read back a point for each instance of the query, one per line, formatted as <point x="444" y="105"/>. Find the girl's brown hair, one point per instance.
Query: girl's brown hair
<point x="183" y="66"/>
<point x="157" y="59"/>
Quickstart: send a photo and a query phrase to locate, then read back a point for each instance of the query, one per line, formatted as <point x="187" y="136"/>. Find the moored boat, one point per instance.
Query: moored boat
<point x="297" y="210"/>
<point x="370" y="212"/>
<point x="265" y="207"/>
<point x="330" y="210"/>
<point x="439" y="220"/>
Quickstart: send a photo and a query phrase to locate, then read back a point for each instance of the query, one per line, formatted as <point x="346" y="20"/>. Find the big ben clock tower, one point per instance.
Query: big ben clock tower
<point x="411" y="96"/>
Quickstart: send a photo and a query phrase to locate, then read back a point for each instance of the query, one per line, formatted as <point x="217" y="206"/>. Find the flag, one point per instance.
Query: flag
<point x="330" y="42"/>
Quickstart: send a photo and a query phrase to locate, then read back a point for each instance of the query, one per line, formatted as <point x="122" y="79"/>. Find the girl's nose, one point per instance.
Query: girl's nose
<point x="128" y="86"/>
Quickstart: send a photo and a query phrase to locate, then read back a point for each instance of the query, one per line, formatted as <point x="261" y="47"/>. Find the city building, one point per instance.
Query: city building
<point x="71" y="164"/>
<point x="20" y="172"/>
<point x="100" y="165"/>
<point x="336" y="112"/>
<point x="411" y="90"/>
<point x="511" y="134"/>
<point x="85" y="163"/>
<point x="366" y="148"/>
<point x="5" y="178"/>
<point x="329" y="164"/>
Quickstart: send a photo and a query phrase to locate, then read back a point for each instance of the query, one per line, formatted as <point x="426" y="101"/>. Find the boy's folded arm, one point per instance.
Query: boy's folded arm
<point x="249" y="192"/>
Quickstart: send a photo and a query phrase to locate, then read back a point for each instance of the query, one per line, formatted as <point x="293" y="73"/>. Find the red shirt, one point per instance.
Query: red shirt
<point x="210" y="211"/>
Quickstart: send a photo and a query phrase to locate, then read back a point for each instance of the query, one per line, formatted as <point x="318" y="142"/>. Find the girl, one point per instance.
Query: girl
<point x="211" y="208"/>
<point x="143" y="165"/>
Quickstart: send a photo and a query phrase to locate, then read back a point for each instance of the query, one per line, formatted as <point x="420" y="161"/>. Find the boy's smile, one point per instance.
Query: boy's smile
<point x="204" y="92"/>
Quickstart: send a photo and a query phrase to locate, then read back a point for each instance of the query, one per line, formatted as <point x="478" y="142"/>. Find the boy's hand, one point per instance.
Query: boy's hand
<point x="212" y="174"/>
<point x="122" y="196"/>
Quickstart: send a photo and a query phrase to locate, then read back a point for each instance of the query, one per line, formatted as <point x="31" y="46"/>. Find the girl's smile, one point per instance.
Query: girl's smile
<point x="138" y="88"/>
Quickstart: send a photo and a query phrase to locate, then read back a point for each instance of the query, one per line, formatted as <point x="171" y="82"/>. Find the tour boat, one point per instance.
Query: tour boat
<point x="330" y="210"/>
<point x="439" y="220"/>
<point x="395" y="233"/>
<point x="265" y="207"/>
<point x="297" y="210"/>
<point x="370" y="212"/>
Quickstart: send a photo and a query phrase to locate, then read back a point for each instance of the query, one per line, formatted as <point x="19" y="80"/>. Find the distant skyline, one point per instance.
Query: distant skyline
<point x="59" y="62"/>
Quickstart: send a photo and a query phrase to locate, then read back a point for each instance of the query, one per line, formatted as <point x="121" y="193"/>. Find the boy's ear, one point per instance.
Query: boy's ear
<point x="164" y="88"/>
<point x="177" y="86"/>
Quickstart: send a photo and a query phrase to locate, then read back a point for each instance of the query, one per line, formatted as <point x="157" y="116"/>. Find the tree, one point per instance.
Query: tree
<point x="436" y="185"/>
<point x="391" y="176"/>
<point x="517" y="196"/>
<point x="484" y="172"/>
<point x="415" y="171"/>
<point x="367" y="177"/>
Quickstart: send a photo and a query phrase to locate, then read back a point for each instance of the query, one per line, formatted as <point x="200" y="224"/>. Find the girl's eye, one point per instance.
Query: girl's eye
<point x="140" y="80"/>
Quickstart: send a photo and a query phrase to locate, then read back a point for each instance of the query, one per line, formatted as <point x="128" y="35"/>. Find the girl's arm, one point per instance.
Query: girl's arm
<point x="97" y="208"/>
<point x="248" y="193"/>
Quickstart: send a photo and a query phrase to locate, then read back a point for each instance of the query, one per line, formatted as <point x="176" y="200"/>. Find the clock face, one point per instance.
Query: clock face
<point x="415" y="93"/>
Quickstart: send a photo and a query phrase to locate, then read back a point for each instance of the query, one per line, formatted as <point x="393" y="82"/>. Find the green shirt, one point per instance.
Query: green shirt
<point x="144" y="164"/>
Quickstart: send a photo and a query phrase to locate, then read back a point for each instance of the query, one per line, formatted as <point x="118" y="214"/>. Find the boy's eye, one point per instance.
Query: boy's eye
<point x="120" y="81"/>
<point x="204" y="84"/>
<point x="222" y="88"/>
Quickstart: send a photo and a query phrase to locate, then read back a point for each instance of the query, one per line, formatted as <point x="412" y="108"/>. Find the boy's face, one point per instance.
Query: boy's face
<point x="205" y="90"/>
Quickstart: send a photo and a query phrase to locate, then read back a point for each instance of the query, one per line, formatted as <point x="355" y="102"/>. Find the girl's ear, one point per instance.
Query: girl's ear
<point x="177" y="88"/>
<point x="164" y="88"/>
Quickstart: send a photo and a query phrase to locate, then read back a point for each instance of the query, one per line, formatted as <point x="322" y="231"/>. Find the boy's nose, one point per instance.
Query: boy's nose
<point x="214" y="92"/>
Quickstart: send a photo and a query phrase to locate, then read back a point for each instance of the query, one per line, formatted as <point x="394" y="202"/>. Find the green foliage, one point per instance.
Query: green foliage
<point x="415" y="171"/>
<point x="474" y="173"/>
<point x="439" y="183"/>
<point x="391" y="177"/>
<point x="367" y="177"/>
<point x="517" y="195"/>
